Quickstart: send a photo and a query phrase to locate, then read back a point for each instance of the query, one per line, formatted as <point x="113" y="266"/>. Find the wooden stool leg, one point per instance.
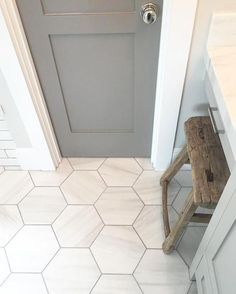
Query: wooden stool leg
<point x="165" y="208"/>
<point x="185" y="217"/>
<point x="180" y="160"/>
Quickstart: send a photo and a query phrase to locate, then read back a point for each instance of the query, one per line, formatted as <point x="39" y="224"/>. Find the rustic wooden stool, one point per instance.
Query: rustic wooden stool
<point x="210" y="173"/>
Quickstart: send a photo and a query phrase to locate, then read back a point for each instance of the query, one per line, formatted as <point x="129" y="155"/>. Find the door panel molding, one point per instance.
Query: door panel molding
<point x="162" y="146"/>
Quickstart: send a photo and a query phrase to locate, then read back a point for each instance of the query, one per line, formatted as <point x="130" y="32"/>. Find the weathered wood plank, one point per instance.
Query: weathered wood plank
<point x="201" y="218"/>
<point x="210" y="171"/>
<point x="165" y="208"/>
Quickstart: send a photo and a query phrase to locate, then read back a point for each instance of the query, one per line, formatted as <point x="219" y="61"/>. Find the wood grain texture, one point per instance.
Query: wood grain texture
<point x="210" y="171"/>
<point x="180" y="160"/>
<point x="185" y="217"/>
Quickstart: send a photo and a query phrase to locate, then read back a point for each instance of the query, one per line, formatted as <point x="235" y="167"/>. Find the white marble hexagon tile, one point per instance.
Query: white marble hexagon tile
<point x="92" y="226"/>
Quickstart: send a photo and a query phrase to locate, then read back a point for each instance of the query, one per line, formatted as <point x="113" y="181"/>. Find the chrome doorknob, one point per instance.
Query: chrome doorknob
<point x="149" y="13"/>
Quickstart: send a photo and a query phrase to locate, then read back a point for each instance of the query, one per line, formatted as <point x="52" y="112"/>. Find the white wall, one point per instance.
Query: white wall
<point x="194" y="101"/>
<point x="17" y="88"/>
<point x="12" y="131"/>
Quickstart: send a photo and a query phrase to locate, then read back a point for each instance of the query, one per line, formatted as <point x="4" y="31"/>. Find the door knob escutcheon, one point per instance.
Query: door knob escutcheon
<point x="149" y="13"/>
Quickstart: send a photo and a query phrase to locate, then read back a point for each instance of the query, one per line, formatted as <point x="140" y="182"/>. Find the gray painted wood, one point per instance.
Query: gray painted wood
<point x="97" y="64"/>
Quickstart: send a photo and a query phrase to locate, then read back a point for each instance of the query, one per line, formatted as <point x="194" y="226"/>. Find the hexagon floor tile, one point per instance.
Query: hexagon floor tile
<point x="119" y="206"/>
<point x="145" y="163"/>
<point x="31" y="249"/>
<point x="149" y="189"/>
<point x="85" y="163"/>
<point x="52" y="178"/>
<point x="149" y="225"/>
<point x="10" y="223"/>
<point x="15" y="185"/>
<point x="193" y="288"/>
<point x="117" y="249"/>
<point x="115" y="284"/>
<point x="83" y="187"/>
<point x="42" y="205"/>
<point x="160" y="273"/>
<point x="184" y="178"/>
<point x="189" y="243"/>
<point x="77" y="226"/>
<point x="25" y="284"/>
<point x="123" y="193"/>
<point x="120" y="171"/>
<point x="4" y="267"/>
<point x="72" y="271"/>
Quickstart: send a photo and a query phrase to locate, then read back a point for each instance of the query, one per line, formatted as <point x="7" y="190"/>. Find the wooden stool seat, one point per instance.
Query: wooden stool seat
<point x="210" y="173"/>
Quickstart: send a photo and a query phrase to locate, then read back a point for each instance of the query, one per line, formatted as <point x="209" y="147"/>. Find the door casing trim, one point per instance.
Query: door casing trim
<point x="178" y="22"/>
<point x="175" y="45"/>
<point x="43" y="139"/>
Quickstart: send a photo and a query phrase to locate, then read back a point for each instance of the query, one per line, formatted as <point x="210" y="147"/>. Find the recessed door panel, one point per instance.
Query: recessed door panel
<point x="90" y="83"/>
<point x="97" y="65"/>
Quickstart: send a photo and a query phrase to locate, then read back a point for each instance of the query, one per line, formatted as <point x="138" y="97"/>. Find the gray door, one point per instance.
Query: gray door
<point x="97" y="64"/>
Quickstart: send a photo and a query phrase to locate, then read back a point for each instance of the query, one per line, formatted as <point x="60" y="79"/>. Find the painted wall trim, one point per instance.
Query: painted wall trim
<point x="21" y="77"/>
<point x="176" y="36"/>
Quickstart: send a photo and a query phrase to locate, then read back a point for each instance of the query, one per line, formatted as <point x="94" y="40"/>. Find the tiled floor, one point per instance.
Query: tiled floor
<point x="93" y="226"/>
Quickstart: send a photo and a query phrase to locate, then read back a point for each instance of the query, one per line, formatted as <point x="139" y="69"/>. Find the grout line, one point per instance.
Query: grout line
<point x="8" y="260"/>
<point x="51" y="259"/>
<point x="59" y="214"/>
<point x="96" y="283"/>
<point x="91" y="252"/>
<point x="139" y="261"/>
<point x="138" y="163"/>
<point x="136" y="218"/>
<point x="44" y="281"/>
<point x="137" y="283"/>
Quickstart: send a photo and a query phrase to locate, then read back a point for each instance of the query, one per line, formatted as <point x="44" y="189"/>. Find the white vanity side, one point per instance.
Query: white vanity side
<point x="213" y="265"/>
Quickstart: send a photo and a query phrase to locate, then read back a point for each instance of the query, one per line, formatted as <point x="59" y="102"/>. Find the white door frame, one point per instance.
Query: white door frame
<point x="21" y="77"/>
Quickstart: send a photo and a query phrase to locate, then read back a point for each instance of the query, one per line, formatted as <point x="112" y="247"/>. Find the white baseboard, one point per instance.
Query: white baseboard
<point x="32" y="159"/>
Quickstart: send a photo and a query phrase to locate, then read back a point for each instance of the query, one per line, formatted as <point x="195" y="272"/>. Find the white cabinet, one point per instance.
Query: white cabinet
<point x="203" y="278"/>
<point x="214" y="263"/>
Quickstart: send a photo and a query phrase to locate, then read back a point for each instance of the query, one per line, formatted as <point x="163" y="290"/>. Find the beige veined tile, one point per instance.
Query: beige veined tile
<point x="184" y="178"/>
<point x="117" y="249"/>
<point x="149" y="225"/>
<point x="189" y="243"/>
<point x="10" y="223"/>
<point x="24" y="283"/>
<point x="145" y="163"/>
<point x="52" y="178"/>
<point x="149" y="189"/>
<point x="15" y="185"/>
<point x="31" y="249"/>
<point x="116" y="284"/>
<point x="83" y="187"/>
<point x="77" y="226"/>
<point x="119" y="206"/>
<point x="85" y="163"/>
<point x="72" y="271"/>
<point x="120" y="171"/>
<point x="193" y="288"/>
<point x="160" y="273"/>
<point x="42" y="205"/>
<point x="4" y="268"/>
